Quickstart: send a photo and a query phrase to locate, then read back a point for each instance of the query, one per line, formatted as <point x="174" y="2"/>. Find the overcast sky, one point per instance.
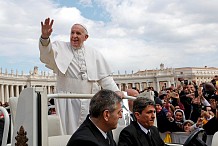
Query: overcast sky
<point x="131" y="34"/>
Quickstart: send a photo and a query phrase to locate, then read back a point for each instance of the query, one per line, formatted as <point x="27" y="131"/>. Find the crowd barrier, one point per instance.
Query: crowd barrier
<point x="181" y="137"/>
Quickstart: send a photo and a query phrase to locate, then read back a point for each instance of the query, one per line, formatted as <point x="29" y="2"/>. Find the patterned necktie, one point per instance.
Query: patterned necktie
<point x="108" y="140"/>
<point x="150" y="139"/>
<point x="132" y="117"/>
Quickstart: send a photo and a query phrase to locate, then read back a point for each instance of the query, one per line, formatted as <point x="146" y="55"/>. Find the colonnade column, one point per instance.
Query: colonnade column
<point x="22" y="87"/>
<point x="49" y="90"/>
<point x="134" y="85"/>
<point x="147" y="84"/>
<point x="54" y="89"/>
<point x="17" y="91"/>
<point x="2" y="93"/>
<point x="140" y="86"/>
<point x="6" y="93"/>
<point x="11" y="94"/>
<point x="169" y="84"/>
<point x="158" y="86"/>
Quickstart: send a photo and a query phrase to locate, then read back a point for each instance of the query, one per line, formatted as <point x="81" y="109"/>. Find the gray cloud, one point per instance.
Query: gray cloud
<point x="139" y="34"/>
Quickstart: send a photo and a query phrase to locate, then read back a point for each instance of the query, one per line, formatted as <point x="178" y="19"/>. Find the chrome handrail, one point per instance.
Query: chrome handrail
<point x="6" y="125"/>
<point x="79" y="96"/>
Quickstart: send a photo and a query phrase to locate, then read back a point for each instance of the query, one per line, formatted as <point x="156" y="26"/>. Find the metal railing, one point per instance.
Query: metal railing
<point x="79" y="96"/>
<point x="6" y="125"/>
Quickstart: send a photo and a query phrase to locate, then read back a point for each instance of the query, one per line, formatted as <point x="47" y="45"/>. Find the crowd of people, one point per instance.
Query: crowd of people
<point x="187" y="107"/>
<point x="6" y="105"/>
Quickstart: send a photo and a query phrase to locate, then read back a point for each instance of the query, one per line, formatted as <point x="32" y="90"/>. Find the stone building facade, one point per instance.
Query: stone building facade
<point x="164" y="77"/>
<point x="11" y="84"/>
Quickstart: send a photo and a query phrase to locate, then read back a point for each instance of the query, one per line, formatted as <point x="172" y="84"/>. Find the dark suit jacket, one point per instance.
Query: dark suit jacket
<point x="132" y="135"/>
<point x="89" y="135"/>
<point x="211" y="127"/>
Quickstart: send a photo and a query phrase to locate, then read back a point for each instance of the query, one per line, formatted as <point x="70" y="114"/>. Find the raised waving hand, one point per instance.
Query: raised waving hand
<point x="46" y="28"/>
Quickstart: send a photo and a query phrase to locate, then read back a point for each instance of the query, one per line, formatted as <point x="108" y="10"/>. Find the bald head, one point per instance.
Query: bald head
<point x="132" y="92"/>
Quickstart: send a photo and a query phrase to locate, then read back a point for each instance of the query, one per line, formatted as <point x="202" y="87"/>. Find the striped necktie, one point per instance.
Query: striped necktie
<point x="108" y="140"/>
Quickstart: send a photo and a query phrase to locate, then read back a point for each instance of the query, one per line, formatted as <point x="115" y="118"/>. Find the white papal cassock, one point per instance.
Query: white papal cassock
<point x="80" y="71"/>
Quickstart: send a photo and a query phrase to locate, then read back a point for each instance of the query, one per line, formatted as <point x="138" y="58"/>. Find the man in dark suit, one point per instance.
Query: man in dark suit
<point x="105" y="110"/>
<point x="211" y="127"/>
<point x="141" y="132"/>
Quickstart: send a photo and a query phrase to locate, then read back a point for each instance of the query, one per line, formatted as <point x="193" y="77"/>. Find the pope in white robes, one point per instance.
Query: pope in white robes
<point x="79" y="70"/>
